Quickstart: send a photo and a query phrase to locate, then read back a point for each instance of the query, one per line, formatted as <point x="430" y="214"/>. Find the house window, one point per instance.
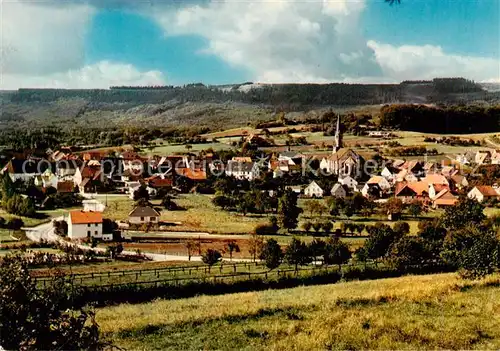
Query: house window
<point x="142" y="218"/>
<point x="153" y="219"/>
<point x="96" y="224"/>
<point x="88" y="225"/>
<point x="88" y="234"/>
<point x="95" y="232"/>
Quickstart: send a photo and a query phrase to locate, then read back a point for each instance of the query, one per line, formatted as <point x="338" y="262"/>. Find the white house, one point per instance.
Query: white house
<point x="313" y="190"/>
<point x="242" y="170"/>
<point x="47" y="179"/>
<point x="349" y="182"/>
<point x="484" y="192"/>
<point x="339" y="190"/>
<point x="144" y="215"/>
<point x="83" y="225"/>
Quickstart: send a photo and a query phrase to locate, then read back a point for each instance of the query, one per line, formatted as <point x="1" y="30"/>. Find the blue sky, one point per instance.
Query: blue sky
<point x="121" y="35"/>
<point x="98" y="43"/>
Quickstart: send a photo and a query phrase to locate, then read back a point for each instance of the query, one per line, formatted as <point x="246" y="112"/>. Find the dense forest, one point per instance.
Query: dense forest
<point x="289" y="96"/>
<point x="447" y="120"/>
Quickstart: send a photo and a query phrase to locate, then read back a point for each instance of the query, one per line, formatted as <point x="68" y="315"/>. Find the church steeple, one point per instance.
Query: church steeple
<point x="338" y="137"/>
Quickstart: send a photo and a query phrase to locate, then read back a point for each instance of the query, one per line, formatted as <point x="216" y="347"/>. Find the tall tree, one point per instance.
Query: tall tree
<point x="288" y="211"/>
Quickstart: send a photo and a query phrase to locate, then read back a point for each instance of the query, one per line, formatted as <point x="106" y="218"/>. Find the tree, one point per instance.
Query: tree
<point x="360" y="228"/>
<point x="211" y="257"/>
<point x="380" y="240"/>
<point x="297" y="253"/>
<point x="401" y="228"/>
<point x="406" y="252"/>
<point x="271" y="254"/>
<point x="393" y="207"/>
<point x="327" y="226"/>
<point x="466" y="211"/>
<point x="288" y="211"/>
<point x="306" y="226"/>
<point x="141" y="194"/>
<point x="168" y="203"/>
<point x="232" y="246"/>
<point x="33" y="319"/>
<point x="317" y="248"/>
<point x="191" y="246"/>
<point x="19" y="206"/>
<point x="222" y="201"/>
<point x="415" y="208"/>
<point x="336" y="252"/>
<point x="472" y="249"/>
<point x="317" y="226"/>
<point x="255" y="245"/>
<point x="60" y="228"/>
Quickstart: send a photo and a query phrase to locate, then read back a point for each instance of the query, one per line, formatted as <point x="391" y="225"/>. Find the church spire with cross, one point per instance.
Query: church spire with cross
<point x="338" y="137"/>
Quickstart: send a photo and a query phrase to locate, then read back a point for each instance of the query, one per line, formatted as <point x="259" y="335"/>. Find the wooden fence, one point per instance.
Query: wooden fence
<point x="278" y="273"/>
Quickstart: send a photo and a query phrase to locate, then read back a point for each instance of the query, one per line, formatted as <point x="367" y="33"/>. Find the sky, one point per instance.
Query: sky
<point x="101" y="43"/>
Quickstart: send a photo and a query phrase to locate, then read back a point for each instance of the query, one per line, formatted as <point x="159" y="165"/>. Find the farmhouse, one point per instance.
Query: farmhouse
<point x="484" y="192"/>
<point x="313" y="190"/>
<point x="443" y="199"/>
<point x="83" y="224"/>
<point x="144" y="215"/>
<point x="408" y="192"/>
<point x="339" y="190"/>
<point x="243" y="170"/>
<point x="380" y="181"/>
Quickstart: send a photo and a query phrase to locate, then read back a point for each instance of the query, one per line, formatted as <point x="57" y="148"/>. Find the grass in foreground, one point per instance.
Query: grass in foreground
<point x="434" y="311"/>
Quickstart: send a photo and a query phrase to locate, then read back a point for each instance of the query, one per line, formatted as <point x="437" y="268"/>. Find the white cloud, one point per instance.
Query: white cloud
<point x="100" y="75"/>
<point x="426" y="62"/>
<point x="312" y="41"/>
<point x="43" y="43"/>
<point x="40" y="39"/>
<point x="281" y="41"/>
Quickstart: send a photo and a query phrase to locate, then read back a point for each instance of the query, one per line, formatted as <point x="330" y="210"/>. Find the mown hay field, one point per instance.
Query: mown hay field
<point x="413" y="312"/>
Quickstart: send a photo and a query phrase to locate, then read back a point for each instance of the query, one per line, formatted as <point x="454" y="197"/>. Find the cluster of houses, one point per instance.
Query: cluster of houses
<point x="436" y="185"/>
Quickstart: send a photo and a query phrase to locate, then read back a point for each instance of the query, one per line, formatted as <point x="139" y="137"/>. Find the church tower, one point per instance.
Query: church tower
<point x="338" y="137"/>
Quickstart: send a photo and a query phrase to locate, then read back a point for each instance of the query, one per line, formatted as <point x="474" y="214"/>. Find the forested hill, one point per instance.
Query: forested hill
<point x="288" y="96"/>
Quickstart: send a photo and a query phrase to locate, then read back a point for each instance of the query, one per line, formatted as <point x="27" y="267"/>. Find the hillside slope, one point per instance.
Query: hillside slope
<point x="417" y="312"/>
<point x="218" y="106"/>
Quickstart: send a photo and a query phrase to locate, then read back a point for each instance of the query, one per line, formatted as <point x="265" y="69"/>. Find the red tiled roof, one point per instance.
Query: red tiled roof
<point x="160" y="183"/>
<point x="81" y="217"/>
<point x="487" y="190"/>
<point x="192" y="174"/>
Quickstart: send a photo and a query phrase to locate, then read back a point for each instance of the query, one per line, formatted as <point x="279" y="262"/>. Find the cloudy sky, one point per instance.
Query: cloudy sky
<point x="98" y="43"/>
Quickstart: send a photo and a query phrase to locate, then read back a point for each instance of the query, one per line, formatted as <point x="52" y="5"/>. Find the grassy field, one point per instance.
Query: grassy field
<point x="200" y="215"/>
<point x="179" y="148"/>
<point x="413" y="312"/>
<point x="42" y="216"/>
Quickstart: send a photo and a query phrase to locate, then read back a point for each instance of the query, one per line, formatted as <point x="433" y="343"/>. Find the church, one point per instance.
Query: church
<point x="343" y="161"/>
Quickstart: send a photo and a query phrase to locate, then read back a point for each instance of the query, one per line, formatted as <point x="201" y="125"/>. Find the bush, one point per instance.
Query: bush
<point x="265" y="229"/>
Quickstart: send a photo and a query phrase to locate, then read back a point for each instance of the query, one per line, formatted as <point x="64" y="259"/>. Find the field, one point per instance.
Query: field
<point x="412" y="312"/>
<point x="200" y="215"/>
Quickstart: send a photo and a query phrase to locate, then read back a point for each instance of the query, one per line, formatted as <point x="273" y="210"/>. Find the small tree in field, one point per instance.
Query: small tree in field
<point x="231" y="246"/>
<point x="255" y="245"/>
<point x="211" y="257"/>
<point x="336" y="252"/>
<point x="327" y="226"/>
<point x="317" y="226"/>
<point x="271" y="254"/>
<point x="297" y="253"/>
<point x="191" y="246"/>
<point x="307" y="226"/>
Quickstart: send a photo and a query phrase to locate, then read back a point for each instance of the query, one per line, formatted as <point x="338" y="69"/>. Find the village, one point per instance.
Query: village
<point x="105" y="180"/>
